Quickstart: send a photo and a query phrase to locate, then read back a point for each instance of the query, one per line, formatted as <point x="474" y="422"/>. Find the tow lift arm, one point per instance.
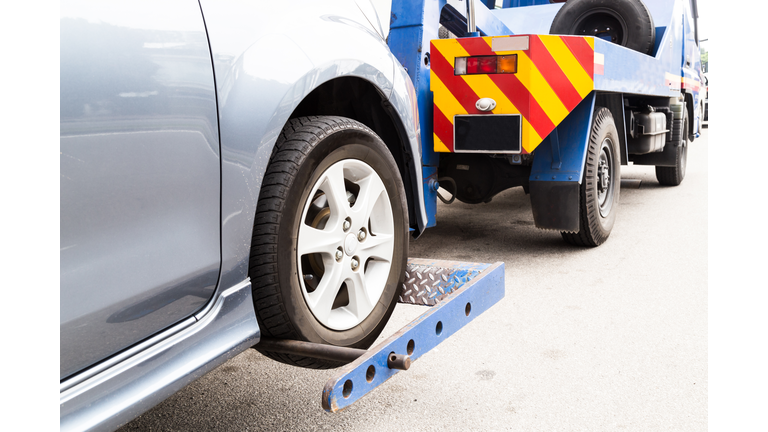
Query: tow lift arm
<point x="455" y="292"/>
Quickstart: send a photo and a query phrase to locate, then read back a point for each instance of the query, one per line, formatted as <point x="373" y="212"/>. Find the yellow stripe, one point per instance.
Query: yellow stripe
<point x="447" y="104"/>
<point x="569" y="64"/>
<point x="531" y="139"/>
<point x="540" y="90"/>
<point x="591" y="42"/>
<point x="439" y="146"/>
<point x="450" y="49"/>
<point x="444" y="99"/>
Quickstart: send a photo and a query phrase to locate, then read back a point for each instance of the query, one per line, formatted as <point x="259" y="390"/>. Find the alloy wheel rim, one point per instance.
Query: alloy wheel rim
<point x="344" y="257"/>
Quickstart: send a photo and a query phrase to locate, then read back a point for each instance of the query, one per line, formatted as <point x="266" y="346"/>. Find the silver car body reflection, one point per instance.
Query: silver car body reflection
<point x="169" y="113"/>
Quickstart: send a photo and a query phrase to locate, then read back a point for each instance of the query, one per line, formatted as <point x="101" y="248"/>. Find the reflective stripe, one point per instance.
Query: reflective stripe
<point x="554" y="75"/>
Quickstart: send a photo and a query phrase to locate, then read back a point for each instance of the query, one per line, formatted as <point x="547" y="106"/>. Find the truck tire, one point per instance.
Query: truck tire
<point x="599" y="195"/>
<point x="624" y="22"/>
<point x="674" y="175"/>
<point x="330" y="237"/>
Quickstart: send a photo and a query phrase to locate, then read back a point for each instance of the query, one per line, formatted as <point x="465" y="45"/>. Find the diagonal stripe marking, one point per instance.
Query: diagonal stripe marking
<point x="445" y="100"/>
<point x="534" y="126"/>
<point x="553" y="73"/>
<point x="567" y="61"/>
<point x="518" y="95"/>
<point x="540" y="90"/>
<point x="456" y="87"/>
<point x="584" y="51"/>
<point x="542" y="95"/>
<point x="443" y="132"/>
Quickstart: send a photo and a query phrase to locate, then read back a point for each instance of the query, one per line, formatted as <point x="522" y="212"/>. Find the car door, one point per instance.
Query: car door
<point x="140" y="174"/>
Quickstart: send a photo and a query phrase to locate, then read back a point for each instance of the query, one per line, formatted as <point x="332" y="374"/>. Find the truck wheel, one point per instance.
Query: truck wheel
<point x="673" y="176"/>
<point x="599" y="197"/>
<point x="624" y="22"/>
<point x="330" y="243"/>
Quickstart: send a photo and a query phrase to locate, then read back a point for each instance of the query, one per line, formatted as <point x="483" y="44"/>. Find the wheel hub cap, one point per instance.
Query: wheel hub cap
<point x="604" y="174"/>
<point x="350" y="244"/>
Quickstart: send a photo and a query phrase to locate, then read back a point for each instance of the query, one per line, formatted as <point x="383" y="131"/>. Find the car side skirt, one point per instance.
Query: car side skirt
<point x="126" y="387"/>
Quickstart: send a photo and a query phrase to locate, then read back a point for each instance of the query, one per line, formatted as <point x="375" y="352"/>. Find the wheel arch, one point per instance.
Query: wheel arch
<point x="359" y="99"/>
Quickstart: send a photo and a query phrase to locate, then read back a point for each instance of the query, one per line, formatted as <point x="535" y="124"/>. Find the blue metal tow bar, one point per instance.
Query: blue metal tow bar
<point x="457" y="291"/>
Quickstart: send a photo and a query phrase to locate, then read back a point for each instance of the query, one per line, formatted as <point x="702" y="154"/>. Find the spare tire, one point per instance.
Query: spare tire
<point x="624" y="22"/>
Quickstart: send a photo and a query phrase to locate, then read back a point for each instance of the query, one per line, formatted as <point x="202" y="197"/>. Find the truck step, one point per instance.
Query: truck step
<point x="456" y="292"/>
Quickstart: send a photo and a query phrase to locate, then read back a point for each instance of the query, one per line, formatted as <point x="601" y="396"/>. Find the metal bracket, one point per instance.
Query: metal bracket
<point x="468" y="290"/>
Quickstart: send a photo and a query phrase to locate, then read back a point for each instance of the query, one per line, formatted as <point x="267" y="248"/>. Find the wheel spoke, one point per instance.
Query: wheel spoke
<point x="378" y="247"/>
<point x="321" y="299"/>
<point x="360" y="303"/>
<point x="371" y="189"/>
<point x="313" y="240"/>
<point x="332" y="184"/>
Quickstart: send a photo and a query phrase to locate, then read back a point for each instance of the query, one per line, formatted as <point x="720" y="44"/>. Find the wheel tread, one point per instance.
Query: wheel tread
<point x="293" y="145"/>
<point x="590" y="233"/>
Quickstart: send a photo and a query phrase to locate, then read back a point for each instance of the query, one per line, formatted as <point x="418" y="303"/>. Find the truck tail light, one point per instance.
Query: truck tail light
<point x="485" y="65"/>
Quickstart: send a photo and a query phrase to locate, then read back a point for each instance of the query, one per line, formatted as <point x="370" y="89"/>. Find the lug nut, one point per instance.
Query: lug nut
<point x="339" y="255"/>
<point x="346" y="225"/>
<point x="361" y="235"/>
<point x="355" y="263"/>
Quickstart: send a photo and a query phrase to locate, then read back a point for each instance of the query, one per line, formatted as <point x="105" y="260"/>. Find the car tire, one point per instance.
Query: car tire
<point x="674" y="175"/>
<point x="600" y="183"/>
<point x="624" y="22"/>
<point x="330" y="237"/>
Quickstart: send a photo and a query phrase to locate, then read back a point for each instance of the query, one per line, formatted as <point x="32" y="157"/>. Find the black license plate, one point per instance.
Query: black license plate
<point x="492" y="133"/>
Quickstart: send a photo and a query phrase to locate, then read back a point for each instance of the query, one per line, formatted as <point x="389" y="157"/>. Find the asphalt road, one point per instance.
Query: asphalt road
<point x="606" y="339"/>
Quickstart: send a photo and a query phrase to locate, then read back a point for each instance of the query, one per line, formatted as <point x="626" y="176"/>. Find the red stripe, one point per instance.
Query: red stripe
<point x="443" y="128"/>
<point x="455" y="84"/>
<point x="475" y="46"/>
<point x="525" y="103"/>
<point x="583" y="51"/>
<point x="553" y="74"/>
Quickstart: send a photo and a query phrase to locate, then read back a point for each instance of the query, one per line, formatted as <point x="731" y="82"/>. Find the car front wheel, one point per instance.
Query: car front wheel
<point x="330" y="237"/>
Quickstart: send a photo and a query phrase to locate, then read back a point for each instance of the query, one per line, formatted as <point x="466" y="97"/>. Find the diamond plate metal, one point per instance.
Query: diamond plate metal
<point x="427" y="284"/>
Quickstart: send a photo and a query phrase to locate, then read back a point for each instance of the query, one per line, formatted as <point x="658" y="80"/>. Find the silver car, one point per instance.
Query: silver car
<point x="229" y="171"/>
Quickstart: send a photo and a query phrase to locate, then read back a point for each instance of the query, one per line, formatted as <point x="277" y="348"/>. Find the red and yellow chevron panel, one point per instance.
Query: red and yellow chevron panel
<point x="553" y="75"/>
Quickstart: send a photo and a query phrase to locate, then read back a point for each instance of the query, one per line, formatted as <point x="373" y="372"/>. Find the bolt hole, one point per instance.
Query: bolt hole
<point x="410" y="347"/>
<point x="439" y="328"/>
<point x="467" y="309"/>
<point x="370" y="373"/>
<point x="347" y="390"/>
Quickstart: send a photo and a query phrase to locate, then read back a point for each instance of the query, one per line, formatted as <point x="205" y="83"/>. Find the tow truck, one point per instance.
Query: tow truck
<point x="557" y="114"/>
<point x="508" y="104"/>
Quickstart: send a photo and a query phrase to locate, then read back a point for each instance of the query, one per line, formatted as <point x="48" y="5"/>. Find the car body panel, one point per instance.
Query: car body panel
<point x="139" y="174"/>
<point x="265" y="62"/>
<point x="264" y="68"/>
